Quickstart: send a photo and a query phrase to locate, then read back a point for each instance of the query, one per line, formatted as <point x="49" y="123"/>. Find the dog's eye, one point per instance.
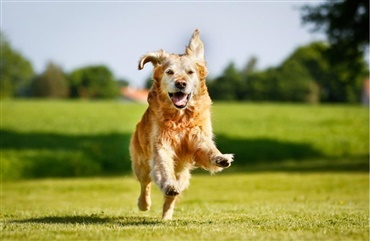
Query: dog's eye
<point x="170" y="72"/>
<point x="190" y="72"/>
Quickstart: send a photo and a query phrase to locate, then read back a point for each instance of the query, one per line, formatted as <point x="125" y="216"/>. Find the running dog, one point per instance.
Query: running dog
<point x="175" y="135"/>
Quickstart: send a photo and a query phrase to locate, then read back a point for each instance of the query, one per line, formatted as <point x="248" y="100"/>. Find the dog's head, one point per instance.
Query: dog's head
<point x="178" y="78"/>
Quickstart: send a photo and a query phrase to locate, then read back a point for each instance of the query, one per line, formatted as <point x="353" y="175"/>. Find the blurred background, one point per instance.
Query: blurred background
<point x="71" y="91"/>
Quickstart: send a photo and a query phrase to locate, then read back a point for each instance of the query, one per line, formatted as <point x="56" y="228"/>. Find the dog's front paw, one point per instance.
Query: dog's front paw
<point x="170" y="190"/>
<point x="223" y="160"/>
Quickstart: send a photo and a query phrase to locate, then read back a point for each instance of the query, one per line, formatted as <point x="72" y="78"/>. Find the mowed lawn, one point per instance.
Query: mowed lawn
<point x="263" y="206"/>
<point x="300" y="173"/>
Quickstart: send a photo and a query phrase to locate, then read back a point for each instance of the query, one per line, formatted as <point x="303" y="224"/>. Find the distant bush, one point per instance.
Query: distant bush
<point x="93" y="82"/>
<point x="52" y="83"/>
<point x="307" y="75"/>
<point x="16" y="72"/>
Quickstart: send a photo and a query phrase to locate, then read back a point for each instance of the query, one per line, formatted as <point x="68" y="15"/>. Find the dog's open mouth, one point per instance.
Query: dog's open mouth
<point x="179" y="99"/>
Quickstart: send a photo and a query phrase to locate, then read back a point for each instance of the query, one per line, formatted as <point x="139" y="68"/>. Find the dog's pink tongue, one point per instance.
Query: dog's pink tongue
<point x="179" y="99"/>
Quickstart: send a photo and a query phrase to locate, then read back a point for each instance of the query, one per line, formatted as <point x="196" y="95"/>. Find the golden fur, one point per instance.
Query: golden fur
<point x="175" y="135"/>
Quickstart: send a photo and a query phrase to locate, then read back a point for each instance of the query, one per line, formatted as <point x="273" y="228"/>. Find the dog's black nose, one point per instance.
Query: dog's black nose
<point x="180" y="84"/>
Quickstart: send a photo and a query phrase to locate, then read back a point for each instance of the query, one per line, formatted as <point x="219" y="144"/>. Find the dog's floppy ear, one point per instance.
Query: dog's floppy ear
<point x="195" y="48"/>
<point x="154" y="57"/>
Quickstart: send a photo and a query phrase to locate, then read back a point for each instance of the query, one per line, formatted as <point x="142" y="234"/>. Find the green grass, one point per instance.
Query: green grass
<point x="66" y="138"/>
<point x="79" y="138"/>
<point x="294" y="136"/>
<point x="262" y="206"/>
<point x="300" y="173"/>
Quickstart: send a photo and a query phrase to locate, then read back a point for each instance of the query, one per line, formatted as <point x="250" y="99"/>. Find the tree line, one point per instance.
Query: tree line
<point x="332" y="71"/>
<point x="307" y="75"/>
<point x="18" y="79"/>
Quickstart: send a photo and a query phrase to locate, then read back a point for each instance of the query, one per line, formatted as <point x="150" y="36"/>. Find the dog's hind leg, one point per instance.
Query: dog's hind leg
<point x="168" y="207"/>
<point x="144" y="202"/>
<point x="141" y="170"/>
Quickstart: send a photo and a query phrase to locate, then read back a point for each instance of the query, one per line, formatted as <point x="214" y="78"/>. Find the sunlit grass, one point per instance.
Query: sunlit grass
<point x="334" y="130"/>
<point x="70" y="117"/>
<point x="268" y="206"/>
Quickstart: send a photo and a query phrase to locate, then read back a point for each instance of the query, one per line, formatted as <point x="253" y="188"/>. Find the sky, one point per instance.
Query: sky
<point x="75" y="34"/>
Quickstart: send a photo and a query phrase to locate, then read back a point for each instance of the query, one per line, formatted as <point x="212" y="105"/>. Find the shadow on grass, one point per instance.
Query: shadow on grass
<point x="92" y="220"/>
<point x="62" y="155"/>
<point x="249" y="151"/>
<point x="256" y="155"/>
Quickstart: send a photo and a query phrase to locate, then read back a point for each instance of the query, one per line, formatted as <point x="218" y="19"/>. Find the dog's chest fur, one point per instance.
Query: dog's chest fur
<point x="182" y="131"/>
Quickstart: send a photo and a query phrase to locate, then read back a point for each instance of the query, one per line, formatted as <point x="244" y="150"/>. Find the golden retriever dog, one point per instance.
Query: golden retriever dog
<point x="175" y="135"/>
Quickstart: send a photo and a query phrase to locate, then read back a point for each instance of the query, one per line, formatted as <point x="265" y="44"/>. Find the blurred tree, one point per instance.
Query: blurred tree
<point x="307" y="75"/>
<point x="121" y="83"/>
<point x="52" y="83"/>
<point x="248" y="70"/>
<point x="93" y="82"/>
<point x="16" y="71"/>
<point x="291" y="81"/>
<point x="294" y="83"/>
<point x="250" y="67"/>
<point x="262" y="85"/>
<point x="337" y="80"/>
<point x="341" y="81"/>
<point x="229" y="86"/>
<point x="346" y="24"/>
<point x="148" y="82"/>
<point x="313" y="58"/>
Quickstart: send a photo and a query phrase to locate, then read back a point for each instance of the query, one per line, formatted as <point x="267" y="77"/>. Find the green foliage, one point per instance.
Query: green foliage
<point x="346" y="24"/>
<point x="289" y="82"/>
<point x="18" y="79"/>
<point x="262" y="206"/>
<point x="307" y="75"/>
<point x="286" y="83"/>
<point x="250" y="67"/>
<point x="148" y="82"/>
<point x="63" y="138"/>
<point x="293" y="82"/>
<point x="52" y="83"/>
<point x="229" y="86"/>
<point x="312" y="59"/>
<point x="122" y="83"/>
<point x="93" y="82"/>
<point x="347" y="78"/>
<point x="261" y="86"/>
<point x="15" y="70"/>
<point x="313" y="73"/>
